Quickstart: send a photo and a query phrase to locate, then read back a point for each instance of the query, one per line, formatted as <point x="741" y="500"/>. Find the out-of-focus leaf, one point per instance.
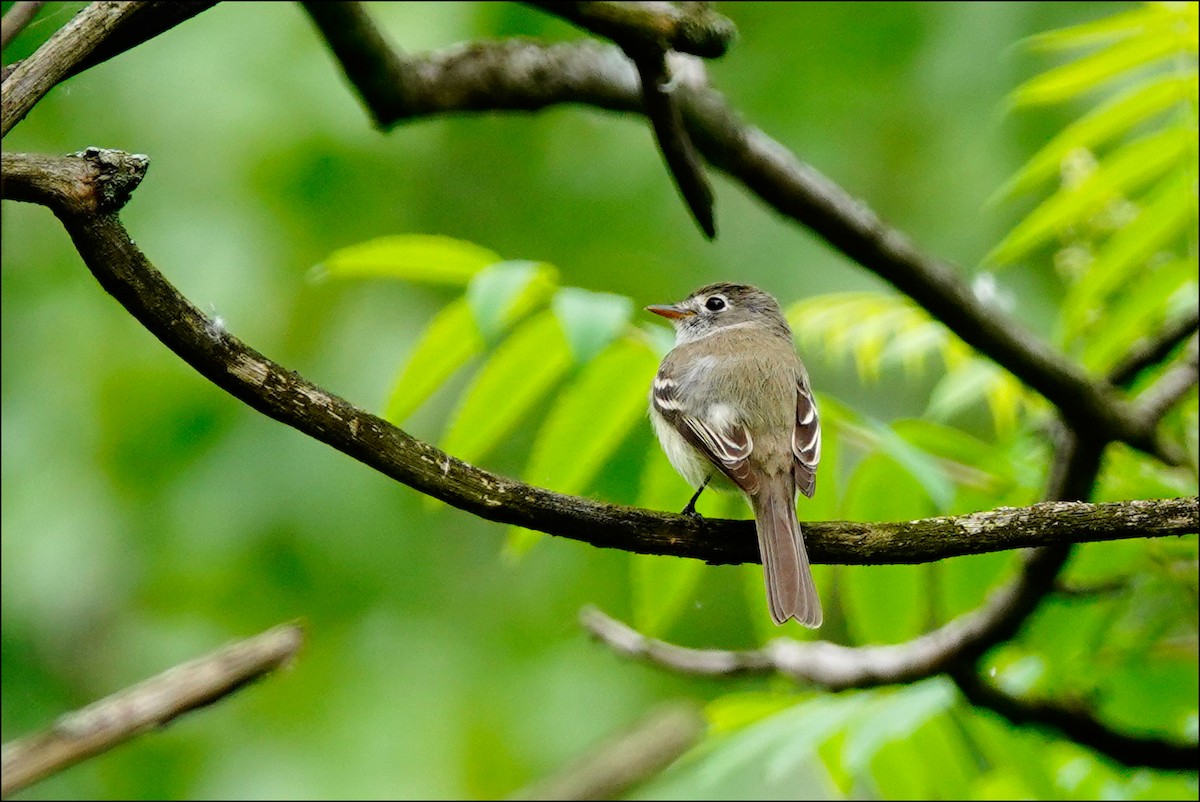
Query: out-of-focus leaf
<point x="1125" y="170"/>
<point x="1122" y="113"/>
<point x="587" y="423"/>
<point x="1168" y="211"/>
<point x="447" y="343"/>
<point x="979" y="380"/>
<point x="504" y="293"/>
<point x="1136" y="312"/>
<point x="884" y="603"/>
<point x="591" y="320"/>
<point x="662" y="587"/>
<point x="520" y="372"/>
<point x="775" y="755"/>
<point x="894" y="716"/>
<point x="873" y="327"/>
<point x="424" y="258"/>
<point x="1147" y="18"/>
<point x="735" y="711"/>
<point x="968" y="460"/>
<point x="1093" y="70"/>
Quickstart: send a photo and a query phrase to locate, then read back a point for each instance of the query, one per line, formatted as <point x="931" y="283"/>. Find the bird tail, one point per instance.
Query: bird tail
<point x="790" y="589"/>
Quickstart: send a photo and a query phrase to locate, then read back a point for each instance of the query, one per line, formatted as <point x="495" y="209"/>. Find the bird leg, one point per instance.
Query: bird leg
<point x="690" y="509"/>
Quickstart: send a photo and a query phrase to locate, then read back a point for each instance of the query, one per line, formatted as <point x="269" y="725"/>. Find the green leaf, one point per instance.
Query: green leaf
<point x="894" y="716"/>
<point x="449" y="341"/>
<point x="874" y="327"/>
<point x="1169" y="211"/>
<point x="1131" y="108"/>
<point x="1125" y="170"/>
<point x="662" y="587"/>
<point x="1150" y="17"/>
<point x="504" y="293"/>
<point x="885" y="603"/>
<point x="589" y="421"/>
<point x="968" y="460"/>
<point x="1136" y="312"/>
<point x="591" y="320"/>
<point x="427" y="258"/>
<point x="1093" y="70"/>
<point x="520" y="372"/>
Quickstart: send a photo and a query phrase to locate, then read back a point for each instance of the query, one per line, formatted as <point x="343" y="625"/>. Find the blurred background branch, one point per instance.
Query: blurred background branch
<point x="151" y="704"/>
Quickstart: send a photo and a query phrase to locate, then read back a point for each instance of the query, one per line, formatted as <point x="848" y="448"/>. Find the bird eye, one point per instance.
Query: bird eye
<point x="715" y="303"/>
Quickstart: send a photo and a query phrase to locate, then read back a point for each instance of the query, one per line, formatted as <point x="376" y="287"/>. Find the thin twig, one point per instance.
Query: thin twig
<point x="153" y="703"/>
<point x="19" y="15"/>
<point x="53" y="61"/>
<point x="627" y="759"/>
<point x="1171" y="387"/>
<point x="1154" y="350"/>
<point x="686" y="27"/>
<point x="679" y="154"/>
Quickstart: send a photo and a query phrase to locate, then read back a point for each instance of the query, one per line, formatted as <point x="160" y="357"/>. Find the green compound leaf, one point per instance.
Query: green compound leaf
<point x="591" y="320"/>
<point x="450" y="340"/>
<point x="519" y="373"/>
<point x="872" y="327"/>
<point x="497" y="298"/>
<point x="1127" y="169"/>
<point x="1169" y="211"/>
<point x="1148" y="18"/>
<point x="587" y="423"/>
<point x="504" y="293"/>
<point x="424" y="258"/>
<point x="1095" y="69"/>
<point x="1129" y="109"/>
<point x="1141" y="308"/>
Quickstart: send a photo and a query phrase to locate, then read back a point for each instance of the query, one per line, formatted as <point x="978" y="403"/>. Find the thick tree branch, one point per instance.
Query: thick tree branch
<point x="524" y="76"/>
<point x="153" y="703"/>
<point x="123" y="270"/>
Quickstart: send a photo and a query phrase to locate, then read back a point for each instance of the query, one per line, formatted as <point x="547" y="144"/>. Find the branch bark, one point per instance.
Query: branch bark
<point x="67" y="184"/>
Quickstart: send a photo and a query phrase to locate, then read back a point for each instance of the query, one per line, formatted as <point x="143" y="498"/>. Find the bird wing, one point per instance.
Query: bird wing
<point x="725" y="442"/>
<point x="806" y="440"/>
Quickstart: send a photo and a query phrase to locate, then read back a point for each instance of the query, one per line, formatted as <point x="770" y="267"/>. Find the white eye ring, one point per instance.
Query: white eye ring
<point x="716" y="303"/>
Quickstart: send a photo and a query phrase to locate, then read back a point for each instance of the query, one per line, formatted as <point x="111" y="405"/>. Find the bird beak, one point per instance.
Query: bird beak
<point x="673" y="312"/>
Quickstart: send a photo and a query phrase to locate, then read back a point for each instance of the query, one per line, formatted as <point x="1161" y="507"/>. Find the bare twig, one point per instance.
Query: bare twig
<point x="838" y="668"/>
<point x="63" y="184"/>
<point x="1154" y="349"/>
<point x="155" y="702"/>
<point x="627" y="759"/>
<point x="53" y="61"/>
<point x="1158" y="399"/>
<point x="683" y="163"/>
<point x="1081" y="726"/>
<point x="19" y="15"/>
<point x="686" y="27"/>
<point x="148" y="20"/>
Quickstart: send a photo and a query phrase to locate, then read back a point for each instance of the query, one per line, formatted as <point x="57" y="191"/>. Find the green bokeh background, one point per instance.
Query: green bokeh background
<point x="149" y="517"/>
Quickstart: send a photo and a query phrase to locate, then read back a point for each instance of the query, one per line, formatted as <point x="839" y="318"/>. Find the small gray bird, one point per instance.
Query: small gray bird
<point x="731" y="405"/>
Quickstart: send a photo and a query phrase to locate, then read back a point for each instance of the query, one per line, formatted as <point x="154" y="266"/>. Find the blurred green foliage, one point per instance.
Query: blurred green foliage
<point x="148" y="517"/>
